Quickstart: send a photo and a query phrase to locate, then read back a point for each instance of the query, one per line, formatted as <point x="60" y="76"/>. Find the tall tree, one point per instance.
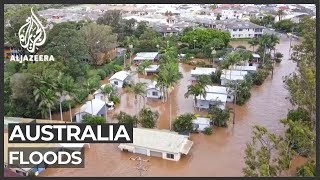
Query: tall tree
<point x="148" y="118"/>
<point x="99" y="39"/>
<point x="138" y="90"/>
<point x="195" y="90"/>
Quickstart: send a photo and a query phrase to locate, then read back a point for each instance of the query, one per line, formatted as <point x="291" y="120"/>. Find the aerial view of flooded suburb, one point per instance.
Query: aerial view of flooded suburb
<point x="212" y="90"/>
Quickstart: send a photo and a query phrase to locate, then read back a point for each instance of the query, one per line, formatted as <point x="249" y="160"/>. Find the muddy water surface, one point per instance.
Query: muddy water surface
<point x="220" y="154"/>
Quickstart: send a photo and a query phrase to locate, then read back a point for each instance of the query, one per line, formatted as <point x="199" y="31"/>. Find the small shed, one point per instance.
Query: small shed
<point x="159" y="143"/>
<point x="152" y="69"/>
<point x="119" y="78"/>
<point x="256" y="57"/>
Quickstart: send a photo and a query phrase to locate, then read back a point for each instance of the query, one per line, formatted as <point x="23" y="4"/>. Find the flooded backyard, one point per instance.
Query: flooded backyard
<point x="220" y="154"/>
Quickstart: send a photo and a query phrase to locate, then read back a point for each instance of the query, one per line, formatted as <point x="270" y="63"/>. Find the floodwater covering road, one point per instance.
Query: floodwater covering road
<point x="220" y="154"/>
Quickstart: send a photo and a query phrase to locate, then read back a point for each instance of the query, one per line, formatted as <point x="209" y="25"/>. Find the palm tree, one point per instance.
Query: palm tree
<point x="195" y="90"/>
<point x="280" y="12"/>
<point x="142" y="66"/>
<point x="46" y="98"/>
<point x="107" y="90"/>
<point x="69" y="91"/>
<point x="203" y="80"/>
<point x="138" y="89"/>
<point x="253" y="42"/>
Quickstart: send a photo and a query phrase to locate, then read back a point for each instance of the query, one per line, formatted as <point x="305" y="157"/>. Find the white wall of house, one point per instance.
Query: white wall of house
<point x="244" y="33"/>
<point x="205" y="104"/>
<point x="147" y="152"/>
<point x="117" y="83"/>
<point x="99" y="96"/>
<point x="79" y="116"/>
<point x="153" y="93"/>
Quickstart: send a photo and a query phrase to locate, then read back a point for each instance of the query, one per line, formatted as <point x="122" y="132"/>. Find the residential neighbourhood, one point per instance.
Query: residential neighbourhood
<point x="204" y="86"/>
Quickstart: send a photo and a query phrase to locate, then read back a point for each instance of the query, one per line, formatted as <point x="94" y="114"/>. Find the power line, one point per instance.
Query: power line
<point x="140" y="166"/>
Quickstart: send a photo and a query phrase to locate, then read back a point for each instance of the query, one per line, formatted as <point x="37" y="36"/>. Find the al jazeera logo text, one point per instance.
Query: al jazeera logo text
<point x="32" y="35"/>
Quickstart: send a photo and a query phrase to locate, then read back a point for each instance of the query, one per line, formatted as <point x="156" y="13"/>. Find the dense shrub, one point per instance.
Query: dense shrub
<point x="115" y="99"/>
<point x="102" y="74"/>
<point x="117" y="68"/>
<point x="208" y="131"/>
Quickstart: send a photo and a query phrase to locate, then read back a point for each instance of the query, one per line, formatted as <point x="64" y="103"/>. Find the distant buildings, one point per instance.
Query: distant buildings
<point x="242" y="29"/>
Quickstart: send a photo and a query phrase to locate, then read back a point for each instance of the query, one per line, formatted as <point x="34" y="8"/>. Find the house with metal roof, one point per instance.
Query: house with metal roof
<point x="159" y="143"/>
<point x="152" y="69"/>
<point x="119" y="78"/>
<point x="95" y="107"/>
<point x="146" y="56"/>
<point x="249" y="69"/>
<point x="195" y="73"/>
<point x="232" y="75"/>
<point x="210" y="100"/>
<point x="220" y="90"/>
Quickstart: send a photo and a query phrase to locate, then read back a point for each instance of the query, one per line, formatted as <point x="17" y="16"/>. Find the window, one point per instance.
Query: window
<point x="170" y="156"/>
<point x="234" y="29"/>
<point x="115" y="82"/>
<point x="240" y="29"/>
<point x="154" y="93"/>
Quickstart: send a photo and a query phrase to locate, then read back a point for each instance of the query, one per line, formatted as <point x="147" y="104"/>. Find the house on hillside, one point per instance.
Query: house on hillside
<point x="119" y="78"/>
<point x="95" y="107"/>
<point x="158" y="143"/>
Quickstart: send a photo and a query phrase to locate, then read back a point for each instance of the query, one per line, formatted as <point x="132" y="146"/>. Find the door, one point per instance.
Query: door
<point x="141" y="151"/>
<point x="156" y="154"/>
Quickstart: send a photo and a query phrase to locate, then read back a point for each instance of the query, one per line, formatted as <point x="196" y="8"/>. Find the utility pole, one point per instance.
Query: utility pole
<point x="140" y="167"/>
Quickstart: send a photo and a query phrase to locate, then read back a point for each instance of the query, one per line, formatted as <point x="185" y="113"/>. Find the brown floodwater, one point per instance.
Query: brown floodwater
<point x="220" y="154"/>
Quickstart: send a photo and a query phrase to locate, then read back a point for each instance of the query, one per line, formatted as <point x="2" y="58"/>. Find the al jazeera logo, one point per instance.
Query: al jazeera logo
<point x="32" y="35"/>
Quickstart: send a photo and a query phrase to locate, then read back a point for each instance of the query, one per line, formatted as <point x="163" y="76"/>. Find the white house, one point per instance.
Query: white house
<point x="119" y="78"/>
<point x="98" y="94"/>
<point x="195" y="73"/>
<point x="231" y="75"/>
<point x="159" y="143"/>
<point x="201" y="123"/>
<point x="146" y="56"/>
<point x="153" y="91"/>
<point x="249" y="69"/>
<point x="95" y="107"/>
<point x="219" y="90"/>
<point x="243" y="29"/>
<point x="230" y="14"/>
<point x="152" y="69"/>
<point x="210" y="99"/>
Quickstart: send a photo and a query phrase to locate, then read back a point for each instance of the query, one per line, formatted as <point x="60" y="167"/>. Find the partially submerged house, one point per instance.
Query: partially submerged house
<point x="159" y="143"/>
<point x="195" y="73"/>
<point x="228" y="76"/>
<point x="249" y="69"/>
<point x="95" y="107"/>
<point x="153" y="91"/>
<point x="146" y="56"/>
<point x="201" y="123"/>
<point x="119" y="78"/>
<point x="211" y="100"/>
<point x="220" y="90"/>
<point x="256" y="58"/>
<point x="152" y="69"/>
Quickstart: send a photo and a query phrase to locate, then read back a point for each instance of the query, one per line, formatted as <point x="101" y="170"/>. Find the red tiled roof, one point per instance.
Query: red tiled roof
<point x="8" y="173"/>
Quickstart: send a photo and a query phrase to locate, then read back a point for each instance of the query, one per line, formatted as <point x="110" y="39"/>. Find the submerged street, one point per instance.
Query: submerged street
<point x="220" y="154"/>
